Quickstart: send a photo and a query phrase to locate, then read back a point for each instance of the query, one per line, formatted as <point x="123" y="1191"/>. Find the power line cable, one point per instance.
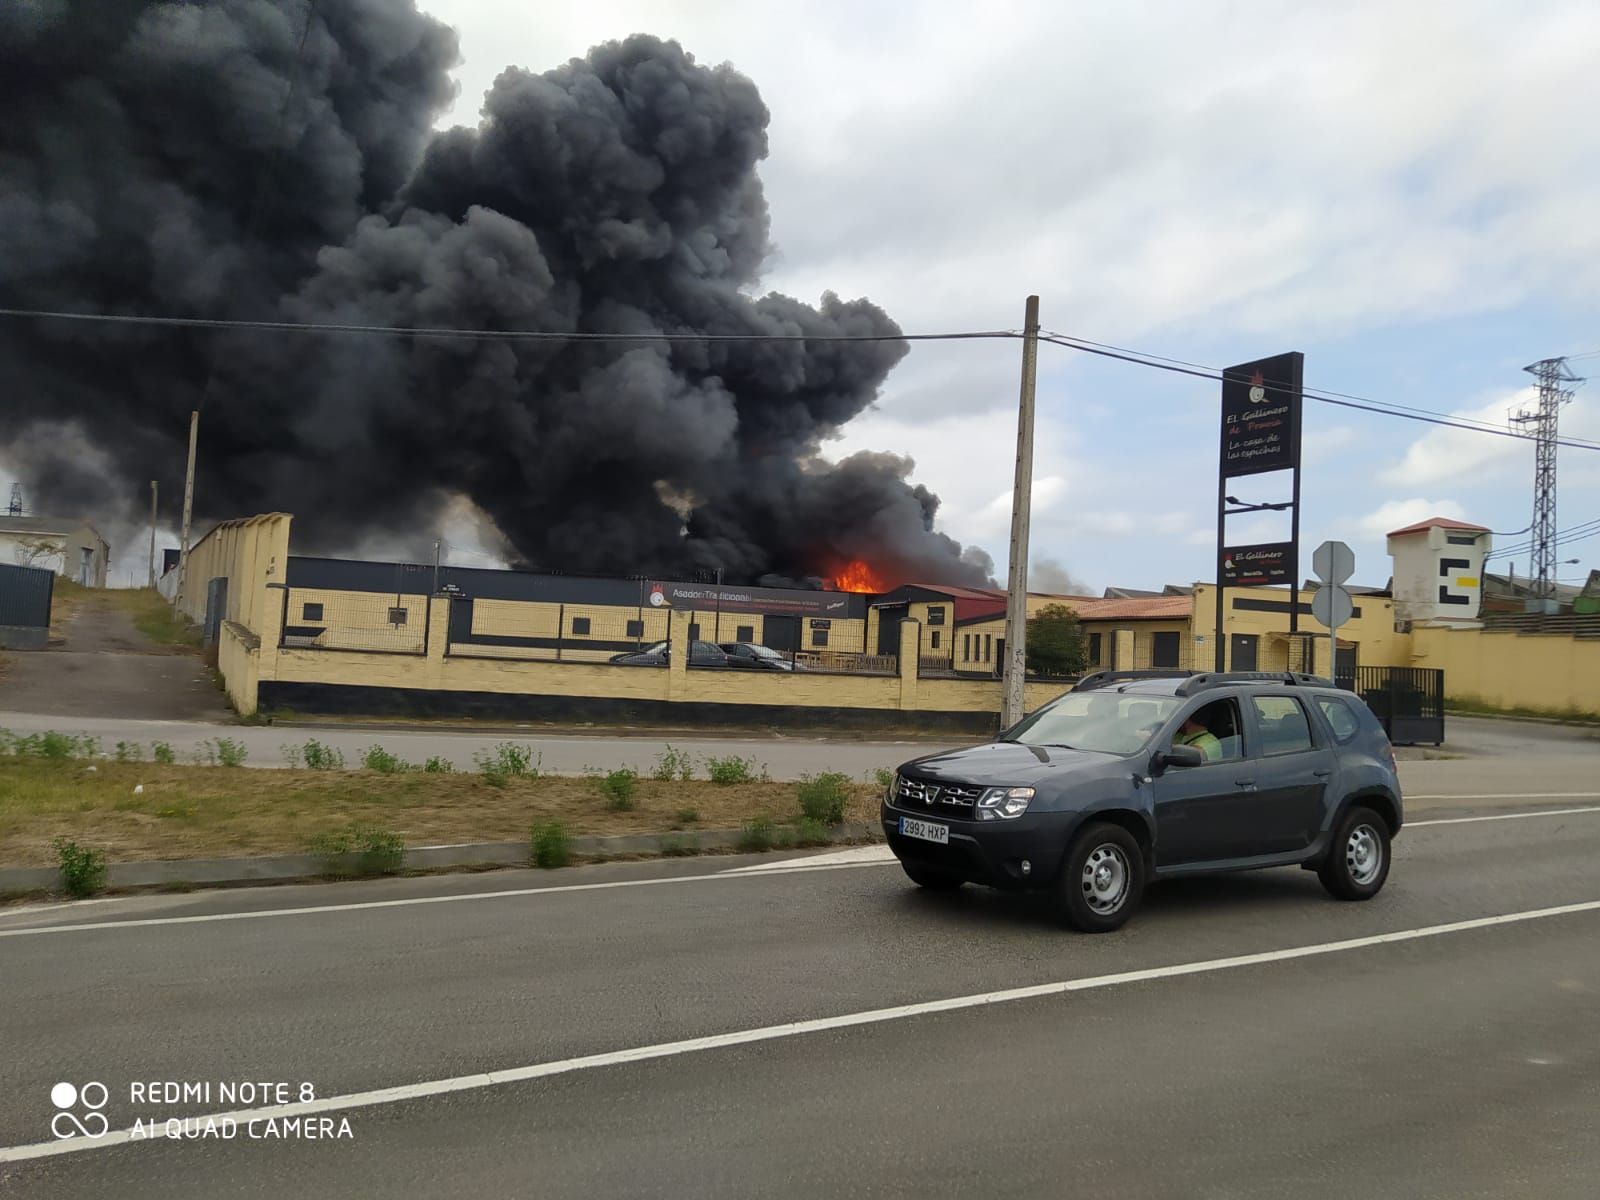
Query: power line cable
<point x="514" y="335"/>
<point x="1339" y="399"/>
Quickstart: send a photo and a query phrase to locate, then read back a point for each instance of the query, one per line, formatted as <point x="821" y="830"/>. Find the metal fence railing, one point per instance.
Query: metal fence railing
<point x="370" y="622"/>
<point x="840" y="662"/>
<point x="1409" y="701"/>
<point x="567" y="633"/>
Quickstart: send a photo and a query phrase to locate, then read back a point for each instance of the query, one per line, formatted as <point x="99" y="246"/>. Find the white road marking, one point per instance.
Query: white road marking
<point x="861" y="855"/>
<point x="865" y="856"/>
<point x="1510" y="796"/>
<point x="1546" y="812"/>
<point x="768" y="1033"/>
<point x="791" y="868"/>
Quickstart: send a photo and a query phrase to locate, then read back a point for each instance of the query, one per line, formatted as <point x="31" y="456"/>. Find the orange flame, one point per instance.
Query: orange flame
<point x="857" y="576"/>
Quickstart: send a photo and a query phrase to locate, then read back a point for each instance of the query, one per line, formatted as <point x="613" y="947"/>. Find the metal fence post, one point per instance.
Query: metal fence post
<point x="561" y="627"/>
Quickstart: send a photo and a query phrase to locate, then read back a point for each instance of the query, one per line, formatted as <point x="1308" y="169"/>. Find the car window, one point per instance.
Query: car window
<point x="1214" y="730"/>
<point x="1284" y="728"/>
<point x="1344" y="723"/>
<point x="1107" y="722"/>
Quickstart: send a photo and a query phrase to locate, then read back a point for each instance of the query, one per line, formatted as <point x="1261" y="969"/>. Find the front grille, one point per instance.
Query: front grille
<point x="927" y="795"/>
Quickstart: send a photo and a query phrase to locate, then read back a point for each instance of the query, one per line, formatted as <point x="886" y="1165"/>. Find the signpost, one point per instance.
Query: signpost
<point x="1334" y="563"/>
<point x="1260" y="433"/>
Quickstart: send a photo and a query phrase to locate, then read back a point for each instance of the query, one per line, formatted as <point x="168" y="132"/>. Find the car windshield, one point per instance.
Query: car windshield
<point x="1107" y="722"/>
<point x="764" y="652"/>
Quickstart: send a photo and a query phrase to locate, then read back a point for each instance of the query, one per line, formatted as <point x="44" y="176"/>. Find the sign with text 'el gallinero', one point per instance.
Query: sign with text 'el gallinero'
<point x="1261" y="415"/>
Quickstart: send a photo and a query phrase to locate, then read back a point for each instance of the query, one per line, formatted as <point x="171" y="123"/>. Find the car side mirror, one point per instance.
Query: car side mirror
<point x="1181" y="756"/>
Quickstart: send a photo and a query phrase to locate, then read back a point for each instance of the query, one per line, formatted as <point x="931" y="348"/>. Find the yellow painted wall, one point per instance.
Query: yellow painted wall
<point x="251" y="554"/>
<point x="1373" y="632"/>
<point x="1536" y="671"/>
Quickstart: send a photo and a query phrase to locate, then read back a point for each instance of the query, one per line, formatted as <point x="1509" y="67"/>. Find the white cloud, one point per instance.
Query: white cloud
<point x="1397" y="514"/>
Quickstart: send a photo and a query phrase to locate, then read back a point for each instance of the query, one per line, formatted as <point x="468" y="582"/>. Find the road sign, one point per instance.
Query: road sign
<point x="1331" y="606"/>
<point x="1334" y="562"/>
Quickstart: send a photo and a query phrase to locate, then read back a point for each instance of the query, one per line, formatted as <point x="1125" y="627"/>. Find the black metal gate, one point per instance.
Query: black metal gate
<point x="1408" y="700"/>
<point x="25" y="595"/>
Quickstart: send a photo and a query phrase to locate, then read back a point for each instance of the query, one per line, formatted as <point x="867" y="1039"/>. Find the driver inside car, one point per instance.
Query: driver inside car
<point x="1197" y="735"/>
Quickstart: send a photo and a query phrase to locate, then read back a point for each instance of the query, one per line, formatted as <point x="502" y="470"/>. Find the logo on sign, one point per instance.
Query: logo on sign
<point x="657" y="597"/>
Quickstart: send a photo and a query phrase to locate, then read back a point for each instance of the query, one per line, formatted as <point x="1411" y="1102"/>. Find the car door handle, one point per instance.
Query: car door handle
<point x="1323" y="773"/>
<point x="1248" y="784"/>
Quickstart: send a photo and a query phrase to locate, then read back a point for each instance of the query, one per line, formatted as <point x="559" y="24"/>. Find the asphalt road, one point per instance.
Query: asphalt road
<point x="105" y="665"/>
<point x="1243" y="1036"/>
<point x="1482" y="756"/>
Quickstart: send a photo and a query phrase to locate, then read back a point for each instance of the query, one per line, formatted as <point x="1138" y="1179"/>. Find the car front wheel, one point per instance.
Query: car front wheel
<point x="1358" y="859"/>
<point x="1102" y="879"/>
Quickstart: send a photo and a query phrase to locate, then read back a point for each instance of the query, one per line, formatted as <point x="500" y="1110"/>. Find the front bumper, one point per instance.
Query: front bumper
<point x="988" y="852"/>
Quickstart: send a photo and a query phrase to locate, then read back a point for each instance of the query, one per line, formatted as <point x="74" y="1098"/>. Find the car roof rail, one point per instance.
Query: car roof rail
<point x="1100" y="679"/>
<point x="1216" y="679"/>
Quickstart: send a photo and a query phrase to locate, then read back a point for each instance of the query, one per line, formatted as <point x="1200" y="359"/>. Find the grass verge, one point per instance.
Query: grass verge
<point x="184" y="811"/>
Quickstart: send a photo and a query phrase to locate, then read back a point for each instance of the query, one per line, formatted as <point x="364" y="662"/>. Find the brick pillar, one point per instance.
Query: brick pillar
<point x="910" y="648"/>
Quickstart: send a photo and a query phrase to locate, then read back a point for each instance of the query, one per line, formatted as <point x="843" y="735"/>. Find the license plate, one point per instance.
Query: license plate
<point x="926" y="831"/>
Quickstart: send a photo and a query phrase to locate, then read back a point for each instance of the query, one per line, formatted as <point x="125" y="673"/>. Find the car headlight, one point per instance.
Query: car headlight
<point x="1000" y="803"/>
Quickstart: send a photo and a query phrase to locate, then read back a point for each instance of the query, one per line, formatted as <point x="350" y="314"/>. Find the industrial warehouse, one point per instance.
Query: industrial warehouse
<point x="312" y="634"/>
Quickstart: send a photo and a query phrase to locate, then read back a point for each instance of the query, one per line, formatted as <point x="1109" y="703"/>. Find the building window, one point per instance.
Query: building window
<point x="1456" y="539"/>
<point x="966" y="647"/>
<point x="988" y="647"/>
<point x="397" y="616"/>
<point x="936" y="615"/>
<point x="747" y="633"/>
<point x="819" y="637"/>
<point x="636" y="629"/>
<point x="580" y="625"/>
<point x="1094" y="649"/>
<point x="311" y="612"/>
<point x="1164" y="650"/>
<point x="933" y="639"/>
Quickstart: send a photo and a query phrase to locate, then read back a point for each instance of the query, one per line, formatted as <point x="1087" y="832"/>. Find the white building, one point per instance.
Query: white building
<point x="68" y="546"/>
<point x="1438" y="571"/>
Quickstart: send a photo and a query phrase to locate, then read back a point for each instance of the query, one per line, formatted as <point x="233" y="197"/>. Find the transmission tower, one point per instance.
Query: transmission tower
<point x="1552" y="374"/>
<point x="15" y="507"/>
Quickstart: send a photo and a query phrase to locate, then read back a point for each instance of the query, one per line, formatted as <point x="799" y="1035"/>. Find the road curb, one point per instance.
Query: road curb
<point x="277" y="868"/>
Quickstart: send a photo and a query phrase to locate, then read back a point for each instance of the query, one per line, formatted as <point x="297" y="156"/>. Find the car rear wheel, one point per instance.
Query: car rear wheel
<point x="932" y="878"/>
<point x="1358" y="859"/>
<point x="1102" y="879"/>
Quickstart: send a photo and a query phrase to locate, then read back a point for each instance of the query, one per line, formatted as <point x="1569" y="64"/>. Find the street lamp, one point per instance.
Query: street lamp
<point x="1239" y="506"/>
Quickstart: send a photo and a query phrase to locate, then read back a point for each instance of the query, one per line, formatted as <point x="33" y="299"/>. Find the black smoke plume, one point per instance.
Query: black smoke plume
<point x="233" y="159"/>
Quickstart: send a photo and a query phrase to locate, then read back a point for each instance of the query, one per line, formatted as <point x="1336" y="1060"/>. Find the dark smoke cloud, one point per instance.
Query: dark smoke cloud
<point x="615" y="193"/>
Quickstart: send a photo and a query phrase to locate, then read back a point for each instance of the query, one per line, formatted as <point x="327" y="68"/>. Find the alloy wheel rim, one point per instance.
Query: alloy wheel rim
<point x="1363" y="854"/>
<point x="1105" y="879"/>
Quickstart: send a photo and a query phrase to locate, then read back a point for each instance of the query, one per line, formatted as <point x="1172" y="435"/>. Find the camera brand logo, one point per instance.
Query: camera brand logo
<point x="67" y="1123"/>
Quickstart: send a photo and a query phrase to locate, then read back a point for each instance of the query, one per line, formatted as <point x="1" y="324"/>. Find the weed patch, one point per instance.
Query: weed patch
<point x="618" y="787"/>
<point x="731" y="770"/>
<point x="551" y="845"/>
<point x="823" y="797"/>
<point x="83" y="869"/>
<point x="757" y="835"/>
<point x="380" y="760"/>
<point x="360" y="851"/>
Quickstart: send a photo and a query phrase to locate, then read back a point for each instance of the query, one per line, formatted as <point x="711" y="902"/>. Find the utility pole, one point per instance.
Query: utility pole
<point x="1551" y="373"/>
<point x="1014" y="675"/>
<point x="152" y="533"/>
<point x="188" y="509"/>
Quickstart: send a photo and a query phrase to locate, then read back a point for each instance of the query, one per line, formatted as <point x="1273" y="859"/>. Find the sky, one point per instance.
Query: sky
<point x="1403" y="192"/>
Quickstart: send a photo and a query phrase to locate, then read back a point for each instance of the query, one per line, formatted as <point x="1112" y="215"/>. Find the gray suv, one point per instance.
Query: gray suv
<point x="1141" y="775"/>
